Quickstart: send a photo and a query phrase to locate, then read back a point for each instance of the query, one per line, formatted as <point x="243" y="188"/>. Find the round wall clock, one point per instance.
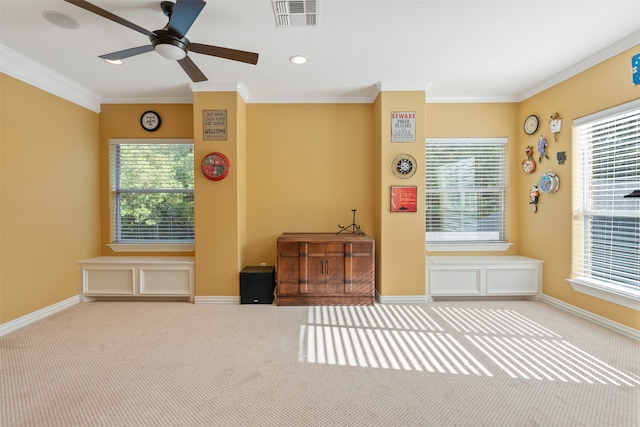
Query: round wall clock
<point x="215" y="166"/>
<point x="549" y="182"/>
<point x="150" y="121"/>
<point x="404" y="166"/>
<point x="531" y="124"/>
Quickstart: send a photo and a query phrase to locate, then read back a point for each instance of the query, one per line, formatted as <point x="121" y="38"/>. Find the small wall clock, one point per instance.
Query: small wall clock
<point x="531" y="124"/>
<point x="215" y="166"/>
<point x="150" y="121"/>
<point x="404" y="166"/>
<point x="549" y="182"/>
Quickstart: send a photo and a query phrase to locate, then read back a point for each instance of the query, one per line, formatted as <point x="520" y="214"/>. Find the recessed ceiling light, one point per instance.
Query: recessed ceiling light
<point x="298" y="59"/>
<point x="115" y="61"/>
<point x="61" y="20"/>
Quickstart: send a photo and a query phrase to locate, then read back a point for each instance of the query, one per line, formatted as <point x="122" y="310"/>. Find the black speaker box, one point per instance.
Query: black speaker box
<point x="257" y="285"/>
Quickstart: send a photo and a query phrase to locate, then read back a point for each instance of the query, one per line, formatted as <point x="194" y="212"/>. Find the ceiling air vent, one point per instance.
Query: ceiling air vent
<point x="295" y="13"/>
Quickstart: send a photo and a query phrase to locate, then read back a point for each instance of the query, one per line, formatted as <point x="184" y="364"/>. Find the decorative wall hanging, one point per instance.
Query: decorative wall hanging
<point x="561" y="156"/>
<point x="549" y="182"/>
<point x="534" y="195"/>
<point x="214" y="125"/>
<point x="555" y="124"/>
<point x="403" y="126"/>
<point x="542" y="148"/>
<point x="404" y="166"/>
<point x="404" y="199"/>
<point x="635" y="69"/>
<point x="528" y="164"/>
<point x="215" y="166"/>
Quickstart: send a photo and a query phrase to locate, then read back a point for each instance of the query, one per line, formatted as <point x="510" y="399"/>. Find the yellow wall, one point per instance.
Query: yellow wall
<point x="220" y="206"/>
<point x="547" y="234"/>
<point x="123" y="121"/>
<point x="49" y="197"/>
<point x="308" y="165"/>
<point x="399" y="235"/>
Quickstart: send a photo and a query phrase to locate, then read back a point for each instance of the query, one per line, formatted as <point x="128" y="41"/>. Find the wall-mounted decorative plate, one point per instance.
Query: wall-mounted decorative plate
<point x="404" y="166"/>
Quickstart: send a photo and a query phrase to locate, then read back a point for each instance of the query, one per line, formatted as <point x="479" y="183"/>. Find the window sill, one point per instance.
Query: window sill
<point x="151" y="247"/>
<point x="620" y="296"/>
<point x="468" y="247"/>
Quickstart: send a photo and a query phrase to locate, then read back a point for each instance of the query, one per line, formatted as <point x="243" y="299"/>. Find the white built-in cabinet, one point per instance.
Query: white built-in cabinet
<point x="121" y="276"/>
<point x="481" y="276"/>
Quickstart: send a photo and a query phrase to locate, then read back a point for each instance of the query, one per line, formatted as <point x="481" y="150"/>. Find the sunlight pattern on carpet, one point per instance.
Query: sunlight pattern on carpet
<point x="466" y="341"/>
<point x="491" y="321"/>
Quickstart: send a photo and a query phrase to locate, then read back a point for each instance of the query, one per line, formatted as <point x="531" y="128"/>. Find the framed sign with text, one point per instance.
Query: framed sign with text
<point x="214" y="125"/>
<point x="404" y="198"/>
<point x="403" y="126"/>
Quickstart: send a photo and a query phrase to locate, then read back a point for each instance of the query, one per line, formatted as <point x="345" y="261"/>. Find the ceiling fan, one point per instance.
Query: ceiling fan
<point x="170" y="41"/>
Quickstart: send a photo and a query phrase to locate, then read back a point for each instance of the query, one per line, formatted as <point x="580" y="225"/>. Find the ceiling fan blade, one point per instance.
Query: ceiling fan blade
<point x="192" y="70"/>
<point x="223" y="52"/>
<point x="127" y="53"/>
<point x="184" y="14"/>
<point x="106" y="14"/>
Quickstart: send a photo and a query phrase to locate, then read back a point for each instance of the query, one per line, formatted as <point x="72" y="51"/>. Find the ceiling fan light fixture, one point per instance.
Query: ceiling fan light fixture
<point x="115" y="61"/>
<point x="298" y="59"/>
<point x="170" y="51"/>
<point x="169" y="46"/>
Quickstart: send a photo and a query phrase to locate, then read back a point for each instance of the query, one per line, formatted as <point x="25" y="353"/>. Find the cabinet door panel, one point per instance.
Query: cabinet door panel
<point x="362" y="269"/>
<point x="334" y="269"/>
<point x="288" y="269"/>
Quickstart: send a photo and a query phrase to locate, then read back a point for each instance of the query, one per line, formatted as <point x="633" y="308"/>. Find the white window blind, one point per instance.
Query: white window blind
<point x="152" y="192"/>
<point x="606" y="249"/>
<point x="465" y="190"/>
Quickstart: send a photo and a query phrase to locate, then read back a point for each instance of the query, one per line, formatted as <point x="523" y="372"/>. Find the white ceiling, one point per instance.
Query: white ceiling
<point x="500" y="50"/>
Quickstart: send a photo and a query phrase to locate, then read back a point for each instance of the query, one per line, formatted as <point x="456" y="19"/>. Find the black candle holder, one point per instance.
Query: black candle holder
<point x="353" y="228"/>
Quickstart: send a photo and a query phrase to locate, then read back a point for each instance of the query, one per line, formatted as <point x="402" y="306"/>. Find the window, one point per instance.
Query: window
<point x="465" y="191"/>
<point x="152" y="191"/>
<point x="606" y="252"/>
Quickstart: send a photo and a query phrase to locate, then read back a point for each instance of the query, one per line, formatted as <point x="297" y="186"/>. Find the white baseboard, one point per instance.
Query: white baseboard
<point x="216" y="300"/>
<point x="602" y="321"/>
<point x="21" y="322"/>
<point x="401" y="299"/>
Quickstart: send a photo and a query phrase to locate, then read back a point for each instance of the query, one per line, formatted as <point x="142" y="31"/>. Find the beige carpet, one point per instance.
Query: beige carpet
<point x="500" y="363"/>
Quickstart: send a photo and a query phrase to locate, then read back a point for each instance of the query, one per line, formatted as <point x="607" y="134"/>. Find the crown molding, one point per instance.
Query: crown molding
<point x="606" y="53"/>
<point x="470" y="100"/>
<point x="22" y="68"/>
<point x="221" y="87"/>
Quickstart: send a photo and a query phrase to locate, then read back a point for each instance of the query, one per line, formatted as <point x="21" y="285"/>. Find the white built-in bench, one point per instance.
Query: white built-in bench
<point x="130" y="276"/>
<point x="482" y="276"/>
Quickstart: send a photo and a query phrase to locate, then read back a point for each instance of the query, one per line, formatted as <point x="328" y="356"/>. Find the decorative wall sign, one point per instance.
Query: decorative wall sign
<point x="404" y="199"/>
<point x="635" y="69"/>
<point x="214" y="125"/>
<point x="403" y="126"/>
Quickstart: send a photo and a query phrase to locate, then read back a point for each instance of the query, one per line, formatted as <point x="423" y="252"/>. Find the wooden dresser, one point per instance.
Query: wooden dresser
<point x="325" y="269"/>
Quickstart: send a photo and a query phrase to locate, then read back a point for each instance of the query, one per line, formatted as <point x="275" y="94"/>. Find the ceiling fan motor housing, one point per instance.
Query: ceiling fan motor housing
<point x="168" y="45"/>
